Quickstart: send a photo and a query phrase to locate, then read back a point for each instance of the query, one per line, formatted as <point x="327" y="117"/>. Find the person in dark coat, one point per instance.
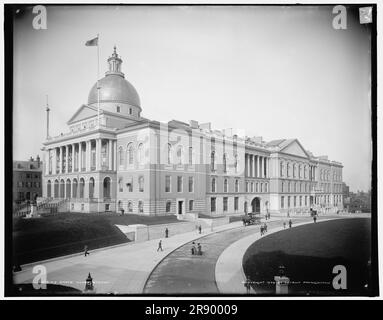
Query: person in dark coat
<point x="199" y="229"/>
<point x="290" y="223"/>
<point x="193" y="249"/>
<point x="86" y="252"/>
<point x="199" y="249"/>
<point x="315" y="218"/>
<point x="160" y="246"/>
<point x="166" y="233"/>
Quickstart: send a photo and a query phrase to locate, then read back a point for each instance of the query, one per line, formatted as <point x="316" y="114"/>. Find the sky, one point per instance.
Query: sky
<point x="277" y="72"/>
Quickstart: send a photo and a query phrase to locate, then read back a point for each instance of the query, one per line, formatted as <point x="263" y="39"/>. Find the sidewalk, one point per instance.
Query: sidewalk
<point x="229" y="274"/>
<point x="120" y="270"/>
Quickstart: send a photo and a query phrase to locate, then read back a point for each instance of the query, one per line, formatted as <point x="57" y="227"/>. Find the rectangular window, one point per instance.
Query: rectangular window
<point x="282" y="202"/>
<point x="288" y="202"/>
<point x="300" y="201"/>
<point x="118" y="109"/>
<point x="107" y="207"/>
<point x="167" y="184"/>
<point x="225" y="204"/>
<point x="191" y="205"/>
<point x="236" y="200"/>
<point x="247" y="187"/>
<point x="212" y="204"/>
<point x="295" y="201"/>
<point x="179" y="184"/>
<point x="191" y="184"/>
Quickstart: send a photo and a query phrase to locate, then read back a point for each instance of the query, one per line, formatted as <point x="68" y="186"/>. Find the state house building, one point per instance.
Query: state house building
<point x="113" y="158"/>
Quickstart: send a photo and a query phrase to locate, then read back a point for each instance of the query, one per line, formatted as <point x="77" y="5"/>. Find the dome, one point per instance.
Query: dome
<point x="115" y="88"/>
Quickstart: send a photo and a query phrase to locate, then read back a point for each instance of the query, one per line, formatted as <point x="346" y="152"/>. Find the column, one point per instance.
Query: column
<point x="98" y="154"/>
<point x="80" y="156"/>
<point x="110" y="150"/>
<point x="73" y="158"/>
<point x="54" y="159"/>
<point x="247" y="165"/>
<point x="261" y="167"/>
<point x="88" y="154"/>
<point x="115" y="155"/>
<point x="267" y="167"/>
<point x="255" y="166"/>
<point x="251" y="165"/>
<point x="61" y="160"/>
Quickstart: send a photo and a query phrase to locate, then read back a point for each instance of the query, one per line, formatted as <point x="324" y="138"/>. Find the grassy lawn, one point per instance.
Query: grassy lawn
<point x="67" y="233"/>
<point x="309" y="254"/>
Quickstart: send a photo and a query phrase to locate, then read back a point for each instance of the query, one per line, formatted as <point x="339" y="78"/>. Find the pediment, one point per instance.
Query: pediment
<point x="84" y="112"/>
<point x="295" y="148"/>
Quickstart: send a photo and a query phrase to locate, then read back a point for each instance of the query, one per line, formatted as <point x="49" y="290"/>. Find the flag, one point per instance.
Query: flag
<point x="93" y="42"/>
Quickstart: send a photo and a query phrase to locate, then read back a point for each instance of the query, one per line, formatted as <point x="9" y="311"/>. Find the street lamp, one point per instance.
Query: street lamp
<point x="89" y="283"/>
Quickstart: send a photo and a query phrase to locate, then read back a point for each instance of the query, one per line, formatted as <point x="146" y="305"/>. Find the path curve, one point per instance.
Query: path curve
<point x="229" y="272"/>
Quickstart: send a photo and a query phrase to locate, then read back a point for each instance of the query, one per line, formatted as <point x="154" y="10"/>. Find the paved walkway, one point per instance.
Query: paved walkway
<point x="229" y="274"/>
<point x="121" y="270"/>
<point x="183" y="273"/>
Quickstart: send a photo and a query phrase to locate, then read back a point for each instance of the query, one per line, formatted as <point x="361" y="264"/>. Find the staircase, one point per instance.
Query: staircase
<point x="46" y="206"/>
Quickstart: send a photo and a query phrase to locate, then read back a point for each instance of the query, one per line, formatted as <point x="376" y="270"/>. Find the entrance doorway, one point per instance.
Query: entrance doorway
<point x="256" y="205"/>
<point x="180" y="207"/>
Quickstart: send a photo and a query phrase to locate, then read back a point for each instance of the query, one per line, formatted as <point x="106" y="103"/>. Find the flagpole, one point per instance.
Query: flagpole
<point x="98" y="77"/>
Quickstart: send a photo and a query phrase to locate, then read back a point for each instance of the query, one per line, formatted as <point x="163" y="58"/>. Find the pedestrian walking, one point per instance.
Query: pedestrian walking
<point x="160" y="246"/>
<point x="193" y="249"/>
<point x="265" y="227"/>
<point x="284" y="224"/>
<point x="166" y="233"/>
<point x="261" y="230"/>
<point x="86" y="253"/>
<point x="290" y="223"/>
<point x="200" y="229"/>
<point x="199" y="249"/>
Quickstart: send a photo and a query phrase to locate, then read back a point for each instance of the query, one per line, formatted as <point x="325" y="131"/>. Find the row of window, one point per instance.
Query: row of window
<point x="22" y="184"/>
<point x="130" y="206"/>
<point x="129" y="184"/>
<point x="180" y="184"/>
<point x="295" y="171"/>
<point x="168" y="206"/>
<point x="298" y="200"/>
<point x="225" y="204"/>
<point x="225" y="185"/>
<point x="259" y="187"/>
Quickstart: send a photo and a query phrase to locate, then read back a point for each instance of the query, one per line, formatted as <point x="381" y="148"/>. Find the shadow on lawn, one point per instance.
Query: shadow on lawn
<point x="308" y="275"/>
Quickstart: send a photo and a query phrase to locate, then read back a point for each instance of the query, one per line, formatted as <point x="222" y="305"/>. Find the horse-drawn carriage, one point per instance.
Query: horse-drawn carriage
<point x="251" y="218"/>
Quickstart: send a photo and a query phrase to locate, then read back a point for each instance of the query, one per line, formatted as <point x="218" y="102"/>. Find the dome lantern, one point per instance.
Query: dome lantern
<point x="114" y="64"/>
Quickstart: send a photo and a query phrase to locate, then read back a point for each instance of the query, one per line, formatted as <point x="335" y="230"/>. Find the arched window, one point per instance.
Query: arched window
<point x="266" y="187"/>
<point x="212" y="161"/>
<point x="281" y="169"/>
<point x="168" y="206"/>
<point x="106" y="188"/>
<point x="289" y="187"/>
<point x="130" y="207"/>
<point x="236" y="163"/>
<point x="225" y="185"/>
<point x="180" y="155"/>
<point x="82" y="185"/>
<point x="91" y="188"/>
<point x="213" y="185"/>
<point x="141" y="184"/>
<point x="224" y="161"/>
<point x="120" y="184"/>
<point x="140" y="153"/>
<point x="56" y="189"/>
<point x="120" y="156"/>
<point x="49" y="189"/>
<point x="130" y="154"/>
<point x="74" y="189"/>
<point x="288" y="169"/>
<point x="169" y="154"/>
<point x="191" y="155"/>
<point x="236" y="185"/>
<point x="283" y="186"/>
<point x="68" y="189"/>
<point x="140" y="207"/>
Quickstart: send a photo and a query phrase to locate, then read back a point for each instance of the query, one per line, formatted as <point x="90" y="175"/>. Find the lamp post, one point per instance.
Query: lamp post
<point x="281" y="281"/>
<point x="89" y="287"/>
